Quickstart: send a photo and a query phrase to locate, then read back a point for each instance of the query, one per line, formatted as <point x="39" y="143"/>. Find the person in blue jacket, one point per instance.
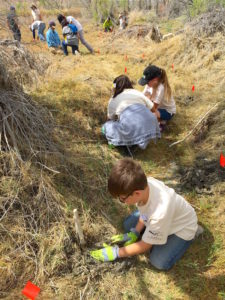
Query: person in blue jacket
<point x="53" y="39"/>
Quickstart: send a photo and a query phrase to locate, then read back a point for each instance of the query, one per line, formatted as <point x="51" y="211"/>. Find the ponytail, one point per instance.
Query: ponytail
<point x="167" y="88"/>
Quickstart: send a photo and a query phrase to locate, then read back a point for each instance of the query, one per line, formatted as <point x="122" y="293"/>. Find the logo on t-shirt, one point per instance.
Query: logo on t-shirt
<point x="154" y="233"/>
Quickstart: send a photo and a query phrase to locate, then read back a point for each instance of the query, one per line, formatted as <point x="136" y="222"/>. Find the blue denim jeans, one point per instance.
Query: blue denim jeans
<point x="162" y="257"/>
<point x="64" y="47"/>
<point x="41" y="29"/>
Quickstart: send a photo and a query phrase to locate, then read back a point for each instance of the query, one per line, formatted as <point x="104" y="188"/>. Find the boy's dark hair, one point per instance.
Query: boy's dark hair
<point x="126" y="177"/>
<point x="122" y="82"/>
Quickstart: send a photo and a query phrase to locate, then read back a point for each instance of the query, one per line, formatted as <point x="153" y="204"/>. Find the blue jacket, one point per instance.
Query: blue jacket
<point x="52" y="38"/>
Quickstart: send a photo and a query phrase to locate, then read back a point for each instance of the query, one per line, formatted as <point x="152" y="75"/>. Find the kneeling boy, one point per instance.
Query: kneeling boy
<point x="169" y="222"/>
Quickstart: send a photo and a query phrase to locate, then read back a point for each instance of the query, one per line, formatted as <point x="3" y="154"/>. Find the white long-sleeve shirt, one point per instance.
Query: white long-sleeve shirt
<point x="72" y="20"/>
<point x="126" y="98"/>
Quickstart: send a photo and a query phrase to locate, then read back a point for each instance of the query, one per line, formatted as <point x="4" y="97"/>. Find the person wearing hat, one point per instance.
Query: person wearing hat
<point x="35" y="13"/>
<point x="12" y="22"/>
<point x="53" y="39"/>
<point x="158" y="90"/>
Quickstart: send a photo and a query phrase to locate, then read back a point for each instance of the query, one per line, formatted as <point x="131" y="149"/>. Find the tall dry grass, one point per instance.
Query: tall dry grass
<point x="76" y="90"/>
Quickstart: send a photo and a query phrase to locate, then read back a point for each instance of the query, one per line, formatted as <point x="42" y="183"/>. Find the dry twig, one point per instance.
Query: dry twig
<point x="205" y="115"/>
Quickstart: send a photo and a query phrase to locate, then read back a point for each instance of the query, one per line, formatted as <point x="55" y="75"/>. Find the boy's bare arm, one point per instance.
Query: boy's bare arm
<point x="140" y="225"/>
<point x="134" y="249"/>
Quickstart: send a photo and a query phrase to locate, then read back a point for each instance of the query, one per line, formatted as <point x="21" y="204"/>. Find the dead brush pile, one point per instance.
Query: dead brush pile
<point x="32" y="214"/>
<point x="209" y="23"/>
<point x="25" y="128"/>
<point x="140" y="31"/>
<point x="32" y="218"/>
<point x="18" y="66"/>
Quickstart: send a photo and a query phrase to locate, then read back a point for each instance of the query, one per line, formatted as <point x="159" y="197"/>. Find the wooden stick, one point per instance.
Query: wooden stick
<point x="195" y="126"/>
<point x="52" y="170"/>
<point x="85" y="289"/>
<point x="78" y="228"/>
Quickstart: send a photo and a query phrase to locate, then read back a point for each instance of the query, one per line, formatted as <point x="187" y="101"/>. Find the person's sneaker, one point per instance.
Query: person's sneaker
<point x="77" y="52"/>
<point x="162" y="127"/>
<point x="199" y="231"/>
<point x="111" y="146"/>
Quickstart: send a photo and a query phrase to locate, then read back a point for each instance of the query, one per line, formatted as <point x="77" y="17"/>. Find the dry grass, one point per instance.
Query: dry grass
<point x="76" y="91"/>
<point x="141" y="17"/>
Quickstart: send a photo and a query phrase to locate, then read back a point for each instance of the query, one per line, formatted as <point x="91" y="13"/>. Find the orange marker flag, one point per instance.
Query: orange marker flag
<point x="222" y="160"/>
<point x="125" y="70"/>
<point x="143" y="55"/>
<point x="193" y="88"/>
<point x="31" y="290"/>
<point x="98" y="51"/>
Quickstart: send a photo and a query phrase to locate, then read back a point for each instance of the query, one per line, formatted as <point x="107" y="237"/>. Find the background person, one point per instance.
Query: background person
<point x="53" y="39"/>
<point x="123" y="21"/>
<point x="108" y="25"/>
<point x="40" y="27"/>
<point x="131" y="121"/>
<point x="70" y="37"/>
<point x="80" y="32"/>
<point x="12" y="21"/>
<point x="35" y="13"/>
<point x="158" y="90"/>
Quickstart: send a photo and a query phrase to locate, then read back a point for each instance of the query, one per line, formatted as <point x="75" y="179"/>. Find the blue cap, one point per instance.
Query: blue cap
<point x="12" y="7"/>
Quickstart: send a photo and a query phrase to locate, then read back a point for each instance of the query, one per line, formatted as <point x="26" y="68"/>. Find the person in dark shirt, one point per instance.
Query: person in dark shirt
<point x="12" y="22"/>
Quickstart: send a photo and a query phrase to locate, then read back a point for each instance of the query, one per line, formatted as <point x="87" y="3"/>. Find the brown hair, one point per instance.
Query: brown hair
<point x="122" y="82"/>
<point x="167" y="89"/>
<point x="126" y="177"/>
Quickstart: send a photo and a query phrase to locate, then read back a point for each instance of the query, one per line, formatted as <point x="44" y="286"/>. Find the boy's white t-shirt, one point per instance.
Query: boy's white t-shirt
<point x="126" y="98"/>
<point x="160" y="100"/>
<point x="72" y="20"/>
<point x="166" y="213"/>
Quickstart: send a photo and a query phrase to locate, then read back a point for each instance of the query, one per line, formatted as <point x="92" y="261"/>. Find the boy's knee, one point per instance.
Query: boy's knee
<point x="127" y="226"/>
<point x="160" y="264"/>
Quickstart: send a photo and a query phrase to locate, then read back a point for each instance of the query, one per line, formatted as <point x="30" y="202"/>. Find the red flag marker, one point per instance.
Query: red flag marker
<point x="193" y="88"/>
<point x="31" y="290"/>
<point x="172" y="67"/>
<point x="222" y="160"/>
<point x="125" y="70"/>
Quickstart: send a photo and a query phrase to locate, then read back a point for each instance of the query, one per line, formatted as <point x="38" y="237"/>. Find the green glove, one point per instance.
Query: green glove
<point x="128" y="238"/>
<point x="106" y="254"/>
